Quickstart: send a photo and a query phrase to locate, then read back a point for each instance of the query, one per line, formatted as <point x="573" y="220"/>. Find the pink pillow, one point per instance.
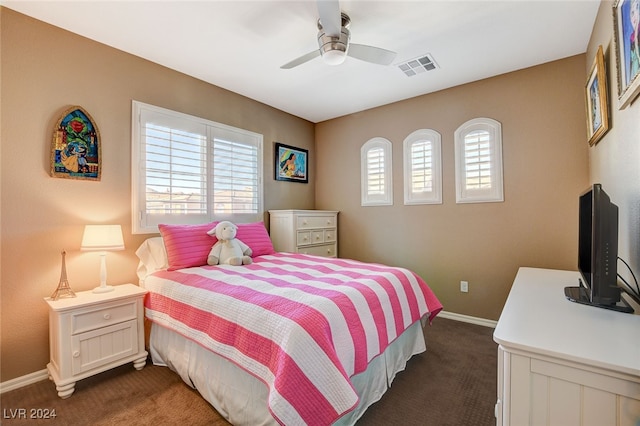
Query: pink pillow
<point x="187" y="245"/>
<point x="256" y="237"/>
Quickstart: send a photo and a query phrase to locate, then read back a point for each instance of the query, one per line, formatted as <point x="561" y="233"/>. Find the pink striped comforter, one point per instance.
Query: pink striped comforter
<point x="302" y="324"/>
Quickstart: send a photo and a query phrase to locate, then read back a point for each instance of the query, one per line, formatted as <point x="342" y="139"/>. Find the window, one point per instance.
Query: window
<point x="375" y="168"/>
<point x="422" y="168"/>
<point x="190" y="170"/>
<point x="478" y="150"/>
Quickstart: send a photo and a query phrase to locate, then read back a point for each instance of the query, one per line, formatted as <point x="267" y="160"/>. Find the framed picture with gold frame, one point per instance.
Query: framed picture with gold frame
<point x="76" y="146"/>
<point x="596" y="100"/>
<point x="626" y="32"/>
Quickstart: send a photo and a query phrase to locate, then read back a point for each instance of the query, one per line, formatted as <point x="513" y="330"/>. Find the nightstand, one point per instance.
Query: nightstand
<point x="95" y="332"/>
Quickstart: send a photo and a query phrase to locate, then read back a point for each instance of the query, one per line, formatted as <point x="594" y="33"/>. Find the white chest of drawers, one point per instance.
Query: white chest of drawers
<point x="95" y="332"/>
<point x="305" y="231"/>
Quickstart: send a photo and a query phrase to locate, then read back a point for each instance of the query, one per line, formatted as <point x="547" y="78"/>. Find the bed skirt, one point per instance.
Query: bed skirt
<point x="242" y="399"/>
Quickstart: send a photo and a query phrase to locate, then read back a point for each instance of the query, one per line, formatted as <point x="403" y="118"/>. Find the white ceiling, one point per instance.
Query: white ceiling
<point x="240" y="45"/>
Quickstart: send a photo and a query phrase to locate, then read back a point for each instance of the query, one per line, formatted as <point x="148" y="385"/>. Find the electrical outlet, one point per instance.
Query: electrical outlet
<point x="464" y="286"/>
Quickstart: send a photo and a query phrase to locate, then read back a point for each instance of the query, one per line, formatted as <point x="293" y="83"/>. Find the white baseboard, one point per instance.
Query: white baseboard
<point x="25" y="380"/>
<point x="467" y="318"/>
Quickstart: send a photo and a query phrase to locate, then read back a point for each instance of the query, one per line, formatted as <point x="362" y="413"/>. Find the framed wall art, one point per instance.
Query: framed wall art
<point x="76" y="146"/>
<point x="597" y="100"/>
<point x="291" y="163"/>
<point x="626" y="29"/>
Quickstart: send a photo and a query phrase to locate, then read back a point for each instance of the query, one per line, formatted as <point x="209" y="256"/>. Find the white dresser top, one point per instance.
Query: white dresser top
<point x="86" y="298"/>
<point x="538" y="318"/>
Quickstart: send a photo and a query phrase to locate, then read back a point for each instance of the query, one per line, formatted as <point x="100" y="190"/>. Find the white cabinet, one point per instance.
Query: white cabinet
<point x="561" y="363"/>
<point x="305" y="231"/>
<point x="95" y="332"/>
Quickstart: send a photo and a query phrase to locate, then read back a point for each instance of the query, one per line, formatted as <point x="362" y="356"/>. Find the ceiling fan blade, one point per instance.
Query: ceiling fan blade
<point x="375" y="55"/>
<point x="301" y="60"/>
<point x="330" y="18"/>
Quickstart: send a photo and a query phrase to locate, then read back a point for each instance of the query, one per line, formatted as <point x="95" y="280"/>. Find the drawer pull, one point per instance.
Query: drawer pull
<point x="305" y="238"/>
<point x="106" y="316"/>
<point x="328" y="222"/>
<point x="317" y="237"/>
<point x="304" y="222"/>
<point x="76" y="354"/>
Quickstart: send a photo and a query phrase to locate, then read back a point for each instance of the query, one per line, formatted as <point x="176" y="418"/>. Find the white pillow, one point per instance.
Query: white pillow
<point x="153" y="257"/>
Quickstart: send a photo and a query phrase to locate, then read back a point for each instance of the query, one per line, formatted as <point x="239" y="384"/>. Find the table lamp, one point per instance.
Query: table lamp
<point x="102" y="238"/>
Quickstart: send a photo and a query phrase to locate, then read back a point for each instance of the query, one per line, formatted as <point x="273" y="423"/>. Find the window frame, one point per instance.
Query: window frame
<point x="496" y="192"/>
<point x="386" y="198"/>
<point x="427" y="197"/>
<point x="141" y="222"/>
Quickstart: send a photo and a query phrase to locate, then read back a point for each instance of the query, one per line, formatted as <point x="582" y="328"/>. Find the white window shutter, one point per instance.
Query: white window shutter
<point x="376" y="173"/>
<point x="479" y="170"/>
<point x="187" y="170"/>
<point x="235" y="177"/>
<point x="422" y="167"/>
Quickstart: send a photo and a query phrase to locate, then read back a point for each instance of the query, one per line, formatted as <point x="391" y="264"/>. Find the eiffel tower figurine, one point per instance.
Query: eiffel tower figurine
<point x="63" y="289"/>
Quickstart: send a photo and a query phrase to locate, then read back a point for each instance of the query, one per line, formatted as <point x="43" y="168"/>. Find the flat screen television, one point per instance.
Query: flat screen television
<point x="597" y="252"/>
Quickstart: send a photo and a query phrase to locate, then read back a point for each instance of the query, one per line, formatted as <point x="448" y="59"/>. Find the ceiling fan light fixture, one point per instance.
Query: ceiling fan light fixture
<point x="333" y="49"/>
<point x="333" y="43"/>
<point x="334" y="57"/>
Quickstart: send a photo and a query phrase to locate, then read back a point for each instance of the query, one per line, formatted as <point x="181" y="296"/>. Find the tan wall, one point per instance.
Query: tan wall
<point x="545" y="168"/>
<point x="45" y="70"/>
<point x="614" y="161"/>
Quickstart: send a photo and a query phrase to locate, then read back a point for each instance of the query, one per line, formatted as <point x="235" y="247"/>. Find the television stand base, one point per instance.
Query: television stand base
<point x="579" y="295"/>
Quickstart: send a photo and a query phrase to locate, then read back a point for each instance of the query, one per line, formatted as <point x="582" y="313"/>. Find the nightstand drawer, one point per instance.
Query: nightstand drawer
<point x="308" y="222"/>
<point x="103" y="316"/>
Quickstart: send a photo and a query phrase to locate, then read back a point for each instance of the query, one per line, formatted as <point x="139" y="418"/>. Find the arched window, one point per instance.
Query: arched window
<point x="422" y="167"/>
<point x="375" y="169"/>
<point x="478" y="150"/>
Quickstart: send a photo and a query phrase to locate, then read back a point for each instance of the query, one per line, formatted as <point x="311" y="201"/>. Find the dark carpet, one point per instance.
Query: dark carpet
<point x="452" y="383"/>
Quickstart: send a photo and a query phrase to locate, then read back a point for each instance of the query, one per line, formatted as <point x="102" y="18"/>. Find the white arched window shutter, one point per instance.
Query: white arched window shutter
<point x="478" y="155"/>
<point x="422" y="163"/>
<point x="376" y="173"/>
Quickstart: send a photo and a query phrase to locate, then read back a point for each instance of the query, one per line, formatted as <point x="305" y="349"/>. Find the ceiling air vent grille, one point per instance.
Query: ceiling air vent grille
<point x="418" y="65"/>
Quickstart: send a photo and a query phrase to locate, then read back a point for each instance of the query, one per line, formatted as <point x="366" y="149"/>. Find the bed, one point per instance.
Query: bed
<point x="289" y="339"/>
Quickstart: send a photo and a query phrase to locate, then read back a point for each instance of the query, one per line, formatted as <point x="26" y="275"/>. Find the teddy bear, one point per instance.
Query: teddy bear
<point x="228" y="250"/>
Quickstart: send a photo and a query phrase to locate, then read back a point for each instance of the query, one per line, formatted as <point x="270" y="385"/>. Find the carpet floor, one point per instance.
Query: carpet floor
<point x="452" y="383"/>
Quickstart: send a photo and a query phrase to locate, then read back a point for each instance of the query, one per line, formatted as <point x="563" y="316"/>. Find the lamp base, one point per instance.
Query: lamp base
<point x="103" y="289"/>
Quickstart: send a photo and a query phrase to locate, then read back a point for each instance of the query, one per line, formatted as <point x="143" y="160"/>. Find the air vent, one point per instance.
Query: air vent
<point x="418" y="65"/>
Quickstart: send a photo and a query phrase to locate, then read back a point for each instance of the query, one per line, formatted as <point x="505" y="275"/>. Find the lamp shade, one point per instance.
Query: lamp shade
<point x="102" y="238"/>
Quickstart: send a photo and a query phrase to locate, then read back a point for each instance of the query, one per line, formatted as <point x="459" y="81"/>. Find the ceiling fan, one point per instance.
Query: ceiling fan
<point x="333" y="40"/>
